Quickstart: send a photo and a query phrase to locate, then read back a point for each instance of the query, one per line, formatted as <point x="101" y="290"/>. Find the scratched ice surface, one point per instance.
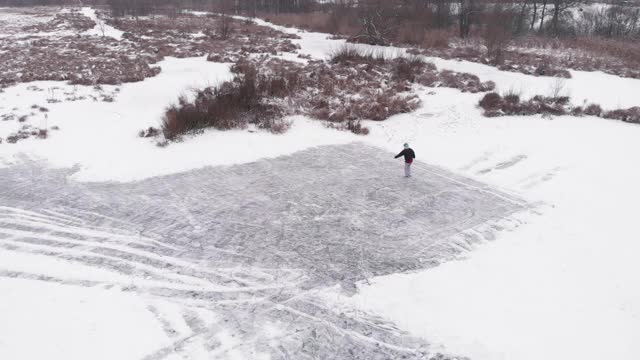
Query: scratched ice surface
<point x="254" y="243"/>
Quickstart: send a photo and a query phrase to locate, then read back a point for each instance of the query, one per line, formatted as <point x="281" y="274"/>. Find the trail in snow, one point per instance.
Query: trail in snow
<point x="101" y="28"/>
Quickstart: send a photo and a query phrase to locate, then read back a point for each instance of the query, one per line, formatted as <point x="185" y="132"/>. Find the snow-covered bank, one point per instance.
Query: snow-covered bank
<point x="101" y="28"/>
<point x="101" y="138"/>
<point x="609" y="91"/>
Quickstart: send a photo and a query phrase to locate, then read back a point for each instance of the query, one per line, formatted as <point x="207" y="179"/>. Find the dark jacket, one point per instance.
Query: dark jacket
<point x="408" y="154"/>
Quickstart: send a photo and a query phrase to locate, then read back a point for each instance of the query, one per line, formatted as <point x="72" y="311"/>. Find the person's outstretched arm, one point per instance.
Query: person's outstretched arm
<point x="401" y="154"/>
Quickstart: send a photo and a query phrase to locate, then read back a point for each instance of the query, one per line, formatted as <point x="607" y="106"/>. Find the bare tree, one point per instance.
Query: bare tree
<point x="560" y="6"/>
<point x="467" y="7"/>
<point x="224" y="27"/>
<point x="497" y="33"/>
<point x="544" y="10"/>
<point x="377" y="25"/>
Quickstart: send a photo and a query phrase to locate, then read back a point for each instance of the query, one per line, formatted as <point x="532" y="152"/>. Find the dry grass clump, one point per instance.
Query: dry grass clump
<point x="464" y="81"/>
<point x="355" y="92"/>
<point x="26" y="132"/>
<point x="495" y="104"/>
<point x="630" y="115"/>
<point x="354" y="126"/>
<point x="593" y="110"/>
<point x="407" y="69"/>
<point x="352" y="54"/>
<point x="411" y="68"/>
<point x="233" y="104"/>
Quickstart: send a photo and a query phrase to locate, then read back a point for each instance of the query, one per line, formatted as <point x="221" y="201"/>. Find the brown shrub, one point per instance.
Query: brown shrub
<point x="355" y="126"/>
<point x="233" y="104"/>
<point x="496" y="105"/>
<point x="497" y="33"/>
<point x="25" y="132"/>
<point x="593" y="110"/>
<point x="630" y="115"/>
<point x="491" y="102"/>
<point x="348" y="53"/>
<point x="406" y="69"/>
<point x="511" y="97"/>
<point x="150" y="132"/>
<point x="279" y="126"/>
<point x="547" y="68"/>
<point x="447" y="78"/>
<point x="577" y="111"/>
<point x="437" y="38"/>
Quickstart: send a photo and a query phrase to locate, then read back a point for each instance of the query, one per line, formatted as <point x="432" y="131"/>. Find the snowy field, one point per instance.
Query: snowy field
<point x="248" y="245"/>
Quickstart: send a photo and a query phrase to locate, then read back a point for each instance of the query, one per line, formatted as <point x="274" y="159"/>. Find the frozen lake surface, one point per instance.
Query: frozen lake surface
<point x="255" y="243"/>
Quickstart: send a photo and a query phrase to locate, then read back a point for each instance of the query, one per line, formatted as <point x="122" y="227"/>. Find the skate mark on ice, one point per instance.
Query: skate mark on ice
<point x="253" y="243"/>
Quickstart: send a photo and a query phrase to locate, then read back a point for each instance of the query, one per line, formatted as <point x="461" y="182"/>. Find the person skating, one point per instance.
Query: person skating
<point x="409" y="155"/>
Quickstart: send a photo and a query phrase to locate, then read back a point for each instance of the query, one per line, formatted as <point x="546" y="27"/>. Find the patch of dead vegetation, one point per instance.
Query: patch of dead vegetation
<point x="510" y="60"/>
<point x="221" y="38"/>
<point x="543" y="56"/>
<point x="612" y="56"/>
<point x="26" y="132"/>
<point x="233" y="104"/>
<point x="495" y="104"/>
<point x="351" y="87"/>
<point x="88" y="60"/>
<point x="532" y="55"/>
<point x="71" y="20"/>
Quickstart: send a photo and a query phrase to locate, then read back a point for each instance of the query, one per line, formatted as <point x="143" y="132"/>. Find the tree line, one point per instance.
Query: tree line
<point x="380" y="17"/>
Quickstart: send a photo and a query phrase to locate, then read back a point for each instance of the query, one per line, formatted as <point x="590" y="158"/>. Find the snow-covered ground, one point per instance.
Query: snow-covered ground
<point x="560" y="286"/>
<point x="547" y="289"/>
